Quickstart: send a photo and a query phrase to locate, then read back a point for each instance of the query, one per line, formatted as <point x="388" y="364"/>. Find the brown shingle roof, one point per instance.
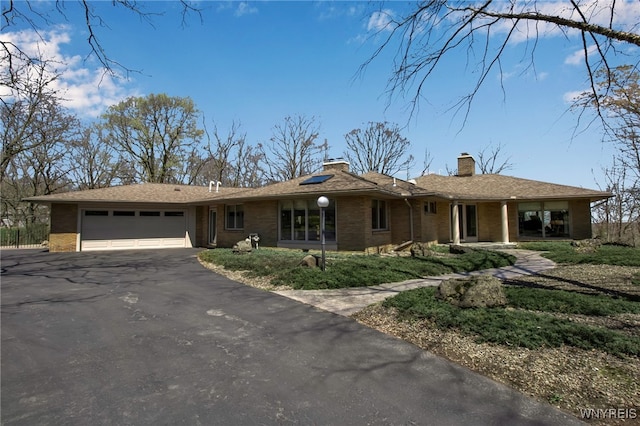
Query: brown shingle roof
<point x="340" y="183"/>
<point x="478" y="187"/>
<point x="500" y="187"/>
<point x="139" y="193"/>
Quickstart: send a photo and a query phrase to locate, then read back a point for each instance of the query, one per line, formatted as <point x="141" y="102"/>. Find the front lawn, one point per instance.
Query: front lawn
<point x="350" y="270"/>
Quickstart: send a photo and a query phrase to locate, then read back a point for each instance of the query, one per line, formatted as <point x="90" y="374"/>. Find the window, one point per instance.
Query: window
<point x="124" y="213"/>
<point x="378" y="215"/>
<point x="174" y="214"/>
<point x="300" y="221"/>
<point x="149" y="214"/>
<point x="96" y="213"/>
<point x="546" y="220"/>
<point x="235" y="216"/>
<point x="430" y="207"/>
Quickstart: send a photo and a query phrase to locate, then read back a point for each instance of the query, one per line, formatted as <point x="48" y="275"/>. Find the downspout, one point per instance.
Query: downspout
<point x="410" y="217"/>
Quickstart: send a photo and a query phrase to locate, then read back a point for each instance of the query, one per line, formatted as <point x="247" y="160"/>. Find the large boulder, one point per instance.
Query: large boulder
<point x="473" y="292"/>
<point x="458" y="249"/>
<point x="309" y="261"/>
<point x="242" y="247"/>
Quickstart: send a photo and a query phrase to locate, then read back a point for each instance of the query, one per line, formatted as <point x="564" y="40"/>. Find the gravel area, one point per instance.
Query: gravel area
<point x="569" y="378"/>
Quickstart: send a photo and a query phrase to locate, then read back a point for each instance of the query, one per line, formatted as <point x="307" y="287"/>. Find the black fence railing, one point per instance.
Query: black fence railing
<point x="33" y="236"/>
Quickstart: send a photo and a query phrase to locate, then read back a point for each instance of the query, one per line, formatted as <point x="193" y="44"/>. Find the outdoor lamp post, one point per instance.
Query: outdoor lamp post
<point x="323" y="203"/>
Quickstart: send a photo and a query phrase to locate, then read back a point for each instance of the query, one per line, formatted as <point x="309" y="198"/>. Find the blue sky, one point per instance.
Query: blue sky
<point x="257" y="62"/>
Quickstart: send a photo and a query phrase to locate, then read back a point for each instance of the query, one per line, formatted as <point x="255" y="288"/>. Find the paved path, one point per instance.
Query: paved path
<point x="350" y="300"/>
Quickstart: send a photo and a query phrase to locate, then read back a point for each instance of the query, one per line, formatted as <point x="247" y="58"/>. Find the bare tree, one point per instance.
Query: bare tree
<point x="619" y="97"/>
<point x="157" y="134"/>
<point x="27" y="97"/>
<point x="230" y="160"/>
<point x="433" y="30"/>
<point x="380" y="147"/>
<point x="44" y="167"/>
<point x="426" y="162"/>
<point x="293" y="150"/>
<point x="95" y="164"/>
<point x="491" y="160"/>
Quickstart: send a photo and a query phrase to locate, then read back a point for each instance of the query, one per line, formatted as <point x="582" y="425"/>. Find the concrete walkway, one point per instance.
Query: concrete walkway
<point x="350" y="300"/>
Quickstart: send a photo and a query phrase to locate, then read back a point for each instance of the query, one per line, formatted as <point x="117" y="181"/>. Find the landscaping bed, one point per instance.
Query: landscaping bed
<point x="571" y="378"/>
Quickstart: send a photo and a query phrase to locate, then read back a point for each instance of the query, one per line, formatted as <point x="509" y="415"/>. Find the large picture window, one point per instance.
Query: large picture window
<point x="547" y="219"/>
<point x="235" y="216"/>
<point x="379" y="215"/>
<point x="300" y="221"/>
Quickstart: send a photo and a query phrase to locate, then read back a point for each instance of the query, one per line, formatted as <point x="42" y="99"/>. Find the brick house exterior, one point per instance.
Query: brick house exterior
<point x="365" y="211"/>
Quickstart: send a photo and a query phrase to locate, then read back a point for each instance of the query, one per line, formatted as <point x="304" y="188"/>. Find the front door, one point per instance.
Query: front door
<point x="467" y="222"/>
<point x="213" y="220"/>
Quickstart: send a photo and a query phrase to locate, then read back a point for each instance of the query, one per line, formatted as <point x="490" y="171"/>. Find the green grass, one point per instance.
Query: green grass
<point x="350" y="270"/>
<point x="564" y="252"/>
<point x="513" y="327"/>
<point x="568" y="302"/>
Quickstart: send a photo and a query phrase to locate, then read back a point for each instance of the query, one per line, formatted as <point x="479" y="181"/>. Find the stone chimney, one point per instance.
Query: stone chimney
<point x="466" y="165"/>
<point x="336" y="164"/>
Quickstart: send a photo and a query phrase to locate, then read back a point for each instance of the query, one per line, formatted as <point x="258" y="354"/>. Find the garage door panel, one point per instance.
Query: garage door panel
<point x="145" y="229"/>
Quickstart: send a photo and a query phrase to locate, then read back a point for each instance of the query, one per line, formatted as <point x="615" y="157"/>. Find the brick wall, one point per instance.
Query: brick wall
<point x="580" y="217"/>
<point x="353" y="222"/>
<point x="202" y="219"/>
<point x="64" y="228"/>
<point x="261" y="217"/>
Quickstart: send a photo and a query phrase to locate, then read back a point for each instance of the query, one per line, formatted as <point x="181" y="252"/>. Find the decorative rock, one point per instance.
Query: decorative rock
<point x="309" y="261"/>
<point x="242" y="247"/>
<point x="587" y="246"/>
<point x="457" y="249"/>
<point x="421" y="249"/>
<point x="473" y="292"/>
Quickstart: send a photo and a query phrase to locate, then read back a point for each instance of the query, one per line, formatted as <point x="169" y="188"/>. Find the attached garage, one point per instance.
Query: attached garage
<point x="114" y="229"/>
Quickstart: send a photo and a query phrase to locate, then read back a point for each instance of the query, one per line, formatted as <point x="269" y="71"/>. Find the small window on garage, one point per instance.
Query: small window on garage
<point x="96" y="212"/>
<point x="149" y="213"/>
<point x="124" y="213"/>
<point x="174" y="214"/>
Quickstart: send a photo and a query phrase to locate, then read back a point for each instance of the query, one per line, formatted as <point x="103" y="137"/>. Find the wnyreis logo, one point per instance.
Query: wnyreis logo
<point x="608" y="413"/>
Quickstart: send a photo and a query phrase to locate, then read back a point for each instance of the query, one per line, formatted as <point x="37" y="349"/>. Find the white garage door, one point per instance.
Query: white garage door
<point x="130" y="229"/>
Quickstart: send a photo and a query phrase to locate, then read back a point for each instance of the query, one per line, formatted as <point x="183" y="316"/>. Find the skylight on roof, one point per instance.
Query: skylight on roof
<point x="313" y="180"/>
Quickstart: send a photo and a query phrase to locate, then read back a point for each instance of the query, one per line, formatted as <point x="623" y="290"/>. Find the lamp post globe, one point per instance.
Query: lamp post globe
<point x="323" y="202"/>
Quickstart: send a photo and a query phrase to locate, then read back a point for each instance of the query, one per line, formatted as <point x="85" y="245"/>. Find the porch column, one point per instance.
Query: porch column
<point x="455" y="223"/>
<point x="504" y="216"/>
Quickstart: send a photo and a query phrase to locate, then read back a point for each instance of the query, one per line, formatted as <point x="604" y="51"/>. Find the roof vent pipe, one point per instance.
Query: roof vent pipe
<point x="216" y="183"/>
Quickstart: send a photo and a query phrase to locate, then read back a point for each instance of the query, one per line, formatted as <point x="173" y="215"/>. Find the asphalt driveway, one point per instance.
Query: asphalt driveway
<point x="152" y="337"/>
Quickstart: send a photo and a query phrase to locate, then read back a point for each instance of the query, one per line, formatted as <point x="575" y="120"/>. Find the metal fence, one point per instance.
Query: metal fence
<point x="34" y="236"/>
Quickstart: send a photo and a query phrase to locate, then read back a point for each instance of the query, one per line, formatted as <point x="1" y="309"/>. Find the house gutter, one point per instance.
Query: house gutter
<point x="410" y="217"/>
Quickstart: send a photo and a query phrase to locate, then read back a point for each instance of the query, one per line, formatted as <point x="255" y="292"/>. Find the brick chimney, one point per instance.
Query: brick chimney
<point x="466" y="165"/>
<point x="336" y="164"/>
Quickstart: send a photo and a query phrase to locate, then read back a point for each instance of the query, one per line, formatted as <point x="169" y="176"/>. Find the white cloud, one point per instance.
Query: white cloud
<point x="380" y="21"/>
<point x="577" y="57"/>
<point x="244" y="8"/>
<point x="86" y="91"/>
